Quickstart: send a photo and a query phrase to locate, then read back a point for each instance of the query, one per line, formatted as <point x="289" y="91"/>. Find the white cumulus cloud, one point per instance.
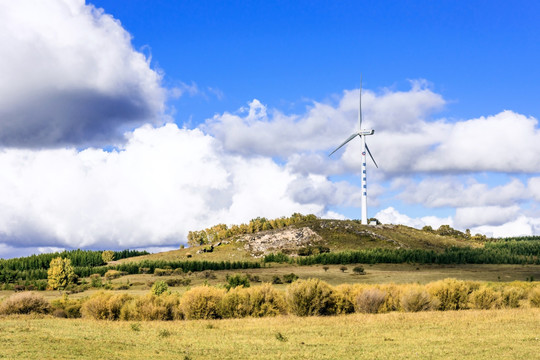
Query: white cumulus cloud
<point x="164" y="182"/>
<point x="70" y="76"/>
<point x="450" y="191"/>
<point x="392" y="216"/>
<point x="467" y="217"/>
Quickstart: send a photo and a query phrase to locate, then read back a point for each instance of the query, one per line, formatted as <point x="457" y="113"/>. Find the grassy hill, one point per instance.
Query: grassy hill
<point x="314" y="235"/>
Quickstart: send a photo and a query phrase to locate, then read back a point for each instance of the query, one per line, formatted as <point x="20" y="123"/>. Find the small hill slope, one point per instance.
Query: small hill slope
<point x="313" y="236"/>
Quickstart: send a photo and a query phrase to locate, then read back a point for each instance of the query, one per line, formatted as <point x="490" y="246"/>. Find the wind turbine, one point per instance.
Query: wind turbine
<point x="362" y="133"/>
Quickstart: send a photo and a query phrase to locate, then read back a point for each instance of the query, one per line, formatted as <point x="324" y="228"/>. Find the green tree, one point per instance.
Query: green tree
<point x="107" y="255"/>
<point x="60" y="273"/>
<point x="160" y="287"/>
<point x="237" y="280"/>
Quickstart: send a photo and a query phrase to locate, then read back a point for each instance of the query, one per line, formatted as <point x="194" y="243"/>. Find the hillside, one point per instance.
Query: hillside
<point x="313" y="236"/>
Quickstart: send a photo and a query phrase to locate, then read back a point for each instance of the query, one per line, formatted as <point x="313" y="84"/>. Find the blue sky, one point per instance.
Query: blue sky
<point x="129" y="124"/>
<point x="481" y="55"/>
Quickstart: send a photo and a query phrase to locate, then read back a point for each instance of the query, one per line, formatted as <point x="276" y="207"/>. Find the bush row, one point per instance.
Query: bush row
<point x="311" y="297"/>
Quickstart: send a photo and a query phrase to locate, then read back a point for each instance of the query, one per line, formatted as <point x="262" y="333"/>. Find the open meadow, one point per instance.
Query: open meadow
<point x="419" y="295"/>
<point x="470" y="334"/>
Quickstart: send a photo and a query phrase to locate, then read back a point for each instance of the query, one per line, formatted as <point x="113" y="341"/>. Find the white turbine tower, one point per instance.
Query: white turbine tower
<point x="362" y="133"/>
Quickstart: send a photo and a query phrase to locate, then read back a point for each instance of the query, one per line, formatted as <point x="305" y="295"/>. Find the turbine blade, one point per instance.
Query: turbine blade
<point x="360" y="106"/>
<point x="369" y="152"/>
<point x="346" y="141"/>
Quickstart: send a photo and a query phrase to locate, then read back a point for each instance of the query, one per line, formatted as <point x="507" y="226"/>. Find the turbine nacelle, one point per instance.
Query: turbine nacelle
<point x="366" y="132"/>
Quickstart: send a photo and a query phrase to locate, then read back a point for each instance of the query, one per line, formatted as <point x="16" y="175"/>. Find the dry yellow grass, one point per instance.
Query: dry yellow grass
<point x="488" y="334"/>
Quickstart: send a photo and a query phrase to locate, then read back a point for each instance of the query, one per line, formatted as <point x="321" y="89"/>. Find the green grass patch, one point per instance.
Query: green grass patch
<point x="472" y="334"/>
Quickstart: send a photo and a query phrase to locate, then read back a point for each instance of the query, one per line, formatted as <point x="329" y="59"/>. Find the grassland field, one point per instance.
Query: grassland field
<point x="470" y="334"/>
<point x="466" y="334"/>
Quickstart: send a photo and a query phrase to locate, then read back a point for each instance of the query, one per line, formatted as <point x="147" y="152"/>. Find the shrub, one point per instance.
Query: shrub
<point x="152" y="307"/>
<point x="290" y="278"/>
<point x="417" y="299"/>
<point x="370" y="301"/>
<point x="276" y="280"/>
<point x="253" y="278"/>
<point x="113" y="274"/>
<point x="178" y="282"/>
<point x="484" y="298"/>
<point x="451" y="294"/>
<point x="266" y="301"/>
<point x="392" y="300"/>
<point x="344" y="297"/>
<point x="24" y="303"/>
<point x="95" y="281"/>
<point x="358" y="270"/>
<point x="162" y="272"/>
<point x="59" y="313"/>
<point x="159" y="287"/>
<point x="511" y="296"/>
<point x="325" y="268"/>
<point x="236" y="303"/>
<point x="208" y="274"/>
<point x="310" y="297"/>
<point x="201" y="303"/>
<point x="104" y="306"/>
<point x="71" y="308"/>
<point x="343" y="268"/>
<point x="237" y="280"/>
<point x="534" y="297"/>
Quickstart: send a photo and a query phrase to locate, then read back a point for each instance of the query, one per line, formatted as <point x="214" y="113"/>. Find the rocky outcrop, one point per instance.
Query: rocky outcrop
<point x="287" y="240"/>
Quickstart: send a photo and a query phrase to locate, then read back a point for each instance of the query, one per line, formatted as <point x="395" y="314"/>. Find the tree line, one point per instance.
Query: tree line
<point x="35" y="267"/>
<point x="520" y="247"/>
<point x="145" y="266"/>
<point x="453" y="255"/>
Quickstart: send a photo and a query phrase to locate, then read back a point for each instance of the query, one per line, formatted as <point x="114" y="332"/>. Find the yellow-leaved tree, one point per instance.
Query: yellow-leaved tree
<point x="107" y="255"/>
<point x="60" y="273"/>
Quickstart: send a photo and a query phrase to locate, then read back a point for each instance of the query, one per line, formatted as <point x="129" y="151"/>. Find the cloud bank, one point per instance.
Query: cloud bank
<point x="70" y="76"/>
<point x="163" y="183"/>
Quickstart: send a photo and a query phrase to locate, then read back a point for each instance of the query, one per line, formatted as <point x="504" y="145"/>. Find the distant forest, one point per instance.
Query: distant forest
<point x="35" y="267"/>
